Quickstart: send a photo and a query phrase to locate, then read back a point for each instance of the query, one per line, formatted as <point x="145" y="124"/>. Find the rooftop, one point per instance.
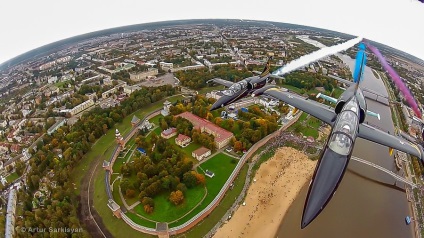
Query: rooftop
<point x="198" y="122"/>
<point x="201" y="151"/>
<point x="182" y="137"/>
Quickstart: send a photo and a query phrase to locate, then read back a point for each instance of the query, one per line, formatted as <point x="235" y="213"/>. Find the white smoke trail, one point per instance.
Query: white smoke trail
<point x="314" y="56"/>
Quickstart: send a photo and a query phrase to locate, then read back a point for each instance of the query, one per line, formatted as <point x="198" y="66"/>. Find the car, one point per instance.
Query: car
<point x="229" y="149"/>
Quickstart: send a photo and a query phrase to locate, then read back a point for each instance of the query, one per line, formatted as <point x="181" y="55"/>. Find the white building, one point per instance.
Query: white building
<point x="143" y="75"/>
<point x="56" y="126"/>
<point x="10" y="214"/>
<point x="81" y="107"/>
<point x="166" y="66"/>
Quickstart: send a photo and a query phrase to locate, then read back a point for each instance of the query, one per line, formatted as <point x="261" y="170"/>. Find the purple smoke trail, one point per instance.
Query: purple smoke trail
<point x="398" y="81"/>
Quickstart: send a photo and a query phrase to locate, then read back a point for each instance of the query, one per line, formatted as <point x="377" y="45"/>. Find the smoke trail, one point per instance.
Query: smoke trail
<point x="314" y="56"/>
<point x="396" y="79"/>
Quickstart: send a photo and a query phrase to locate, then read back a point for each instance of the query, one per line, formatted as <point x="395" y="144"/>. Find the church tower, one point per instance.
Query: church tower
<point x="119" y="138"/>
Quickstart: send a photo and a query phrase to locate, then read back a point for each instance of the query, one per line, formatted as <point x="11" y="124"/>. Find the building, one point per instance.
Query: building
<point x="143" y="75"/>
<point x="119" y="139"/>
<point x="201" y="153"/>
<point x="114" y="207"/>
<point x="221" y="136"/>
<point x="135" y="120"/>
<point x="56" y="126"/>
<point x="3" y="123"/>
<point x="168" y="133"/>
<point x="166" y="66"/>
<point x="182" y="140"/>
<point x="81" y="107"/>
<point x="130" y="89"/>
<point x="10" y="215"/>
<point x="209" y="173"/>
<point x="165" y="111"/>
<point x="142" y="151"/>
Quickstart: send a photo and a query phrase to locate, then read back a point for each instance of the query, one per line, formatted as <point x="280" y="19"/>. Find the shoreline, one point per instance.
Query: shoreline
<point x="275" y="186"/>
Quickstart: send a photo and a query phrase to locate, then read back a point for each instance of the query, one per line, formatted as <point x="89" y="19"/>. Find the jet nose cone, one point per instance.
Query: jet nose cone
<point x="328" y="174"/>
<point x="216" y="105"/>
<point x="309" y="215"/>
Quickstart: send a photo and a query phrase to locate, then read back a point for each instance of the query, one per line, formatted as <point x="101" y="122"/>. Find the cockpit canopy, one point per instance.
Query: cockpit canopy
<point x="235" y="88"/>
<point x="344" y="132"/>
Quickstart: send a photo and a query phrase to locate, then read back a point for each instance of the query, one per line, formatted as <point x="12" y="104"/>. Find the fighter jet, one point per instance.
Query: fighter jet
<point x="253" y="85"/>
<point x="346" y="120"/>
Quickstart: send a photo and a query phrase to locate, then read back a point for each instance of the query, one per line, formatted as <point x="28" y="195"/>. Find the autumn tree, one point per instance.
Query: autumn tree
<point x="148" y="209"/>
<point x="176" y="197"/>
<point x="238" y="146"/>
<point x="200" y="178"/>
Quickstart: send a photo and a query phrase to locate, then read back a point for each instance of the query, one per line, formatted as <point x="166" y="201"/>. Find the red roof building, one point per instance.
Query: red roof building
<point x="201" y="153"/>
<point x="168" y="133"/>
<point x="182" y="140"/>
<point x="222" y="136"/>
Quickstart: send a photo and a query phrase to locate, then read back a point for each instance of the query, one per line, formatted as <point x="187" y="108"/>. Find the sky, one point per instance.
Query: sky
<point x="26" y="25"/>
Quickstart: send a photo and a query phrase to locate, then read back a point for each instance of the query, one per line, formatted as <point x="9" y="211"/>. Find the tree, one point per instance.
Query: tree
<point x="148" y="209"/>
<point x="176" y="197"/>
<point x="91" y="138"/>
<point x="148" y="201"/>
<point x="200" y="178"/>
<point x="182" y="187"/>
<point x="238" y="146"/>
<point x="189" y="179"/>
<point x="130" y="193"/>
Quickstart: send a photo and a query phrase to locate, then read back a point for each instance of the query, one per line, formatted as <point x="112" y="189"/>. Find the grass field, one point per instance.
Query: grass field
<point x="165" y="211"/>
<point x="12" y="177"/>
<point x="212" y="219"/>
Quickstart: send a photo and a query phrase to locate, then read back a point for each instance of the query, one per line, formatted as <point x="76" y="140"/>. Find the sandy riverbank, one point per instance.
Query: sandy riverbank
<point x="278" y="181"/>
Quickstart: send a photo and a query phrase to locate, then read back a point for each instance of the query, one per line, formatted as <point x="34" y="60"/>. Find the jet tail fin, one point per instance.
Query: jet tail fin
<point x="265" y="72"/>
<point x="360" y="63"/>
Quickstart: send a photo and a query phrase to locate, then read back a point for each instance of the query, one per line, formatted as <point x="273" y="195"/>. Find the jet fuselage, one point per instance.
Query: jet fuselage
<point x="334" y="159"/>
<point x="239" y="90"/>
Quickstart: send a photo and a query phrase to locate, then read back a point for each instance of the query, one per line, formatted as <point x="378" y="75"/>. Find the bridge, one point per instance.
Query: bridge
<point x="397" y="177"/>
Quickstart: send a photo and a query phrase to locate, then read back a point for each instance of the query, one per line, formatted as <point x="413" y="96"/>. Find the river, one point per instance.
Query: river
<point x="366" y="203"/>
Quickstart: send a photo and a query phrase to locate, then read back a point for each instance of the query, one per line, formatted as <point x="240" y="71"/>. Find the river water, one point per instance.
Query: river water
<point x="366" y="203"/>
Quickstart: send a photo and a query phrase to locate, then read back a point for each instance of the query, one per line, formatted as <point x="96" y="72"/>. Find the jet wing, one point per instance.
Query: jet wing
<point x="373" y="134"/>
<point x="221" y="81"/>
<point x="318" y="110"/>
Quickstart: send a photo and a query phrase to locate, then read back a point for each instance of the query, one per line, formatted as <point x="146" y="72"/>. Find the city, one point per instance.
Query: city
<point x="88" y="125"/>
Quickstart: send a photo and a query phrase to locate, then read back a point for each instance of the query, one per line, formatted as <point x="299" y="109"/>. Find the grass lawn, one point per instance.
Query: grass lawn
<point x="222" y="166"/>
<point x="140" y="221"/>
<point x="165" y="211"/>
<point x="210" y="221"/>
<point x="155" y="120"/>
<point x="12" y="177"/>
<point x="338" y="92"/>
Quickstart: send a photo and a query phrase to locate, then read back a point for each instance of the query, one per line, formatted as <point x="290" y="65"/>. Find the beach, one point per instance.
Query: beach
<point x="273" y="189"/>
